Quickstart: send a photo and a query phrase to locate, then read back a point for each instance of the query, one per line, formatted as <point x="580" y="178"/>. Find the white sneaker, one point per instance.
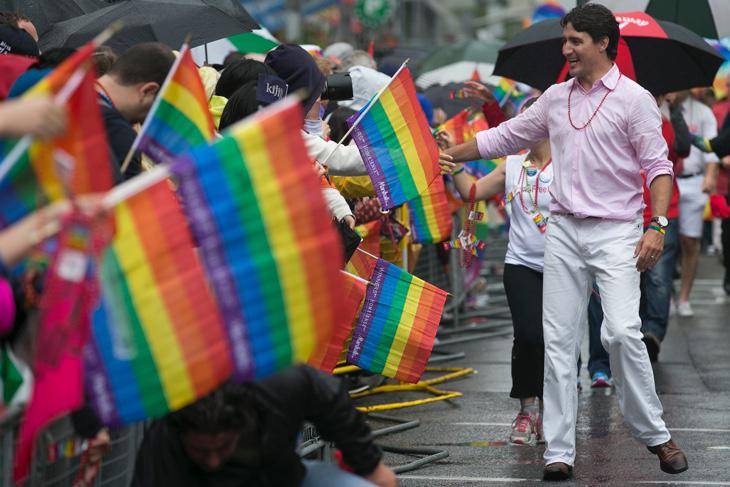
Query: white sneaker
<point x="684" y="309"/>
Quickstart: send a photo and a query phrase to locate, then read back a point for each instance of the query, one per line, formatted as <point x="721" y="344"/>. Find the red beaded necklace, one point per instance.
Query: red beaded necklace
<point x="570" y="118"/>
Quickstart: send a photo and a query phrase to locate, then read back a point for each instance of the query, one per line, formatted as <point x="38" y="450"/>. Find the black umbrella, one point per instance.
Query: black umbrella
<point x="45" y="13"/>
<point x="166" y="21"/>
<point x="661" y="56"/>
<point x="443" y="96"/>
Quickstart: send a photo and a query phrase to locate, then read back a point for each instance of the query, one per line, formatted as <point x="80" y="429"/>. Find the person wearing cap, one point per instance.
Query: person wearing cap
<point x="269" y="89"/>
<point x="297" y="67"/>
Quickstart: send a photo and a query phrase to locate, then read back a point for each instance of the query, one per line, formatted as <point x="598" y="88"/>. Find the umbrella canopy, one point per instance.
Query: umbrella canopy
<point x="442" y="96"/>
<point x="166" y="21"/>
<point x="708" y="18"/>
<point x="661" y="56"/>
<point x="45" y="13"/>
<point x="474" y="51"/>
<point x="456" y="72"/>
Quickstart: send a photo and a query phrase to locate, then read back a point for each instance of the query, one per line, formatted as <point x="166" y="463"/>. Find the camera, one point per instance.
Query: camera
<point x="337" y="87"/>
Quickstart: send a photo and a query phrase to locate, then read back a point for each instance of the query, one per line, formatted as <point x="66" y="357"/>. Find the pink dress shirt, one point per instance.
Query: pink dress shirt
<point x="597" y="169"/>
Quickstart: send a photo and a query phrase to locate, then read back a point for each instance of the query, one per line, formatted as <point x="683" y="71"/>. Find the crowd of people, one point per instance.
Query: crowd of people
<point x="606" y="186"/>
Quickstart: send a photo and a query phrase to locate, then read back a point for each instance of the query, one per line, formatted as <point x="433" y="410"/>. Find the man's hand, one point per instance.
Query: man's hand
<point x="445" y="161"/>
<point x="649" y="250"/>
<point x="478" y="91"/>
<point x="709" y="183"/>
<point x="382" y="476"/>
<point x="37" y="116"/>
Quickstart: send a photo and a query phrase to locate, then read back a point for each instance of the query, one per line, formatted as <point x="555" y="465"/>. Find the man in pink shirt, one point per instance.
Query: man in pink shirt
<point x="603" y="130"/>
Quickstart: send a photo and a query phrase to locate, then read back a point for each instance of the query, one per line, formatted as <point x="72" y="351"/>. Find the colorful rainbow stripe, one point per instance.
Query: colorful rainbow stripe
<point x="397" y="324"/>
<point x="34" y="180"/>
<point x="396" y="144"/>
<point x="180" y="119"/>
<point x="327" y="354"/>
<point x="265" y="238"/>
<point x="430" y="215"/>
<point x="158" y="339"/>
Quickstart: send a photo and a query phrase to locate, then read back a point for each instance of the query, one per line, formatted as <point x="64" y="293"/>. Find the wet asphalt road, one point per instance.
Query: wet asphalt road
<point x="692" y="378"/>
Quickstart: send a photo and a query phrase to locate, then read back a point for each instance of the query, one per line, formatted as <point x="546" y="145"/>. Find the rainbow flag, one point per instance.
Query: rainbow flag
<point x="179" y="119"/>
<point x="397" y="325"/>
<point x="266" y="239"/>
<point x="396" y="144"/>
<point x="158" y="338"/>
<point x="506" y="91"/>
<point x="430" y="214"/>
<point x="76" y="162"/>
<point x="327" y="354"/>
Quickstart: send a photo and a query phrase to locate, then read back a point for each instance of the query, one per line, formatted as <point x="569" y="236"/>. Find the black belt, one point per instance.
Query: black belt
<point x="685" y="176"/>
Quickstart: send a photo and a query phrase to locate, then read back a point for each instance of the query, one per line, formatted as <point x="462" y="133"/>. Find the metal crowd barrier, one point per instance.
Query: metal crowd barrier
<point x="58" y="455"/>
<point x="458" y="323"/>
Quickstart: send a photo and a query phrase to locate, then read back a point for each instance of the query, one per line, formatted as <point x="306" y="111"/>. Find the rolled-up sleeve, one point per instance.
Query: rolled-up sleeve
<point x="645" y="135"/>
<point x="515" y="134"/>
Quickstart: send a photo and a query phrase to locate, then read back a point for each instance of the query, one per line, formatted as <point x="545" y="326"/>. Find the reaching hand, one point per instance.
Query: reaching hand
<point x="445" y="161"/>
<point x="350" y="221"/>
<point x="37" y="116"/>
<point x="478" y="91"/>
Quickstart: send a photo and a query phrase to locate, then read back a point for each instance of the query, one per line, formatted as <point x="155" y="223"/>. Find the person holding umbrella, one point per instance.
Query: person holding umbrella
<point x="603" y="129"/>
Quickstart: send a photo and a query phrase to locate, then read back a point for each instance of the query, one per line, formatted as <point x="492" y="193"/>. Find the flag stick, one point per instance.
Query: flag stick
<point x="365" y="112"/>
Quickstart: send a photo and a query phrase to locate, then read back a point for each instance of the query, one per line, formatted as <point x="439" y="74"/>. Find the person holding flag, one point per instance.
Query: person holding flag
<point x="604" y="129"/>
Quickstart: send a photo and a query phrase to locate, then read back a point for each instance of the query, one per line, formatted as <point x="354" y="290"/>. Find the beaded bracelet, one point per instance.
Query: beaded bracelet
<point x="658" y="229"/>
<point x="458" y="171"/>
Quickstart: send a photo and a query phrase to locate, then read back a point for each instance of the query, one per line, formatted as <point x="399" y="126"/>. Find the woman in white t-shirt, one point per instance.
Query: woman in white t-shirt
<point x="525" y="180"/>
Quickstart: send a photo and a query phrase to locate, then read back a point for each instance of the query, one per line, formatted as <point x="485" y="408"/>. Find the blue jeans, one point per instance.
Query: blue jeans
<point x="598" y="361"/>
<point x="656" y="286"/>
<point x="330" y="475"/>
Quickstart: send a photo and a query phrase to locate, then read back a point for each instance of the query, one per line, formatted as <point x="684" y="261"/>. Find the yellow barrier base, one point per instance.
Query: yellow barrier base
<point x="421" y="386"/>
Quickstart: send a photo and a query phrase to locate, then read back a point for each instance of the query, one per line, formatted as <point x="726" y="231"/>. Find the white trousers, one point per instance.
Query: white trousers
<point x="576" y="251"/>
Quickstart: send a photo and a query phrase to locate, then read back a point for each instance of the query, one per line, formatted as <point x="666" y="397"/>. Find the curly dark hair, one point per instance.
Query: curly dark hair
<point x="598" y="22"/>
<point x="231" y="407"/>
<point x="12" y="18"/>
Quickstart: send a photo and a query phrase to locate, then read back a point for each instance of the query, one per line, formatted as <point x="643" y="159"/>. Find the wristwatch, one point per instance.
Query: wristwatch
<point x="662" y="221"/>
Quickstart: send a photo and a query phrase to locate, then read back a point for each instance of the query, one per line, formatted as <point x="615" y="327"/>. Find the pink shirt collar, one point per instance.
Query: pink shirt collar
<point x="609" y="80"/>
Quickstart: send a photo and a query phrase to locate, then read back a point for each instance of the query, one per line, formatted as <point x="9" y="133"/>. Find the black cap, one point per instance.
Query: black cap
<point x="14" y="40"/>
<point x="297" y="67"/>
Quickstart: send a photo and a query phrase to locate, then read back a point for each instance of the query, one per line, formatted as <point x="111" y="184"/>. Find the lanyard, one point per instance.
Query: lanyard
<point x="522" y="185"/>
<point x="104" y="94"/>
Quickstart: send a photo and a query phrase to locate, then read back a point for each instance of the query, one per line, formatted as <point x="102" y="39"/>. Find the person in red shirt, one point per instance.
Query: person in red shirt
<point x="656" y="282"/>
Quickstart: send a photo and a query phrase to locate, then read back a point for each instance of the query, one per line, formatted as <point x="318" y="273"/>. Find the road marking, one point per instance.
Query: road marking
<point x="678" y="482"/>
<point x="697" y="430"/>
<point x="465" y="479"/>
<point x="516" y="480"/>
<point x="482" y="424"/>
<point x="701" y="430"/>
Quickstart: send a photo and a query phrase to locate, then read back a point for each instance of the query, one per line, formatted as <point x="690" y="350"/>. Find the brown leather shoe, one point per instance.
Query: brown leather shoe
<point x="557" y="471"/>
<point x="671" y="457"/>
